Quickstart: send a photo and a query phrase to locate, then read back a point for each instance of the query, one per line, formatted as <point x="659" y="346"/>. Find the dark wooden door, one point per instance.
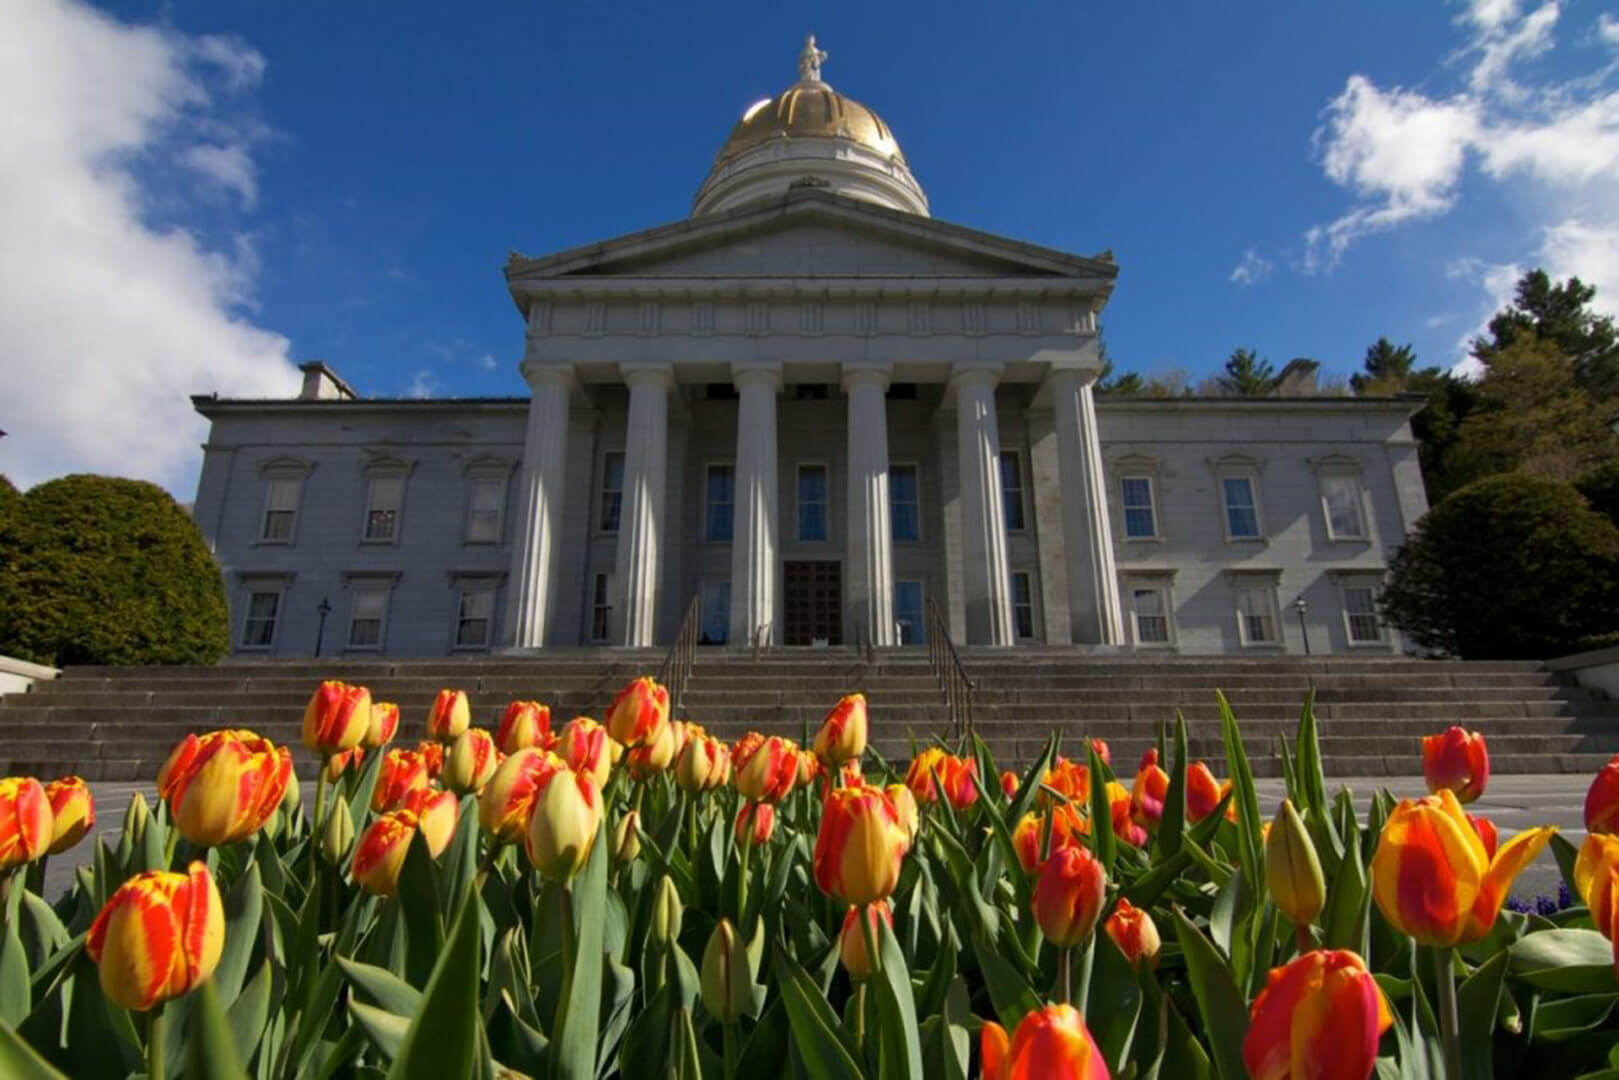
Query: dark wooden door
<point x="812" y="602"/>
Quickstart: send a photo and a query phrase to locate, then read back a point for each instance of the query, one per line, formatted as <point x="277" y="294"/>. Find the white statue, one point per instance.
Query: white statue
<point x="810" y="60"/>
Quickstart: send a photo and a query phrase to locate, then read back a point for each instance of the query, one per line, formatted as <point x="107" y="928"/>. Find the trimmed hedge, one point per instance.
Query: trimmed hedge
<point x="103" y="570"/>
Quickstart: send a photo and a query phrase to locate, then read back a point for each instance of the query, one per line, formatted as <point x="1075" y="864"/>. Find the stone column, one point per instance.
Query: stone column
<point x="640" y="528"/>
<point x="539" y="504"/>
<point x="986" y="578"/>
<point x="1093" y="576"/>
<point x="753" y="534"/>
<point x="869" y="557"/>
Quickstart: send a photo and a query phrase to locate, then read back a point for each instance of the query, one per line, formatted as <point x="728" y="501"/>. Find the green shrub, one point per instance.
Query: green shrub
<point x="1600" y="487"/>
<point x="1512" y="566"/>
<point x="102" y="570"/>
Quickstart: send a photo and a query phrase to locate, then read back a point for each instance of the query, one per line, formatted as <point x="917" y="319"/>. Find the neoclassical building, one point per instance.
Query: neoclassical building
<point x="819" y="413"/>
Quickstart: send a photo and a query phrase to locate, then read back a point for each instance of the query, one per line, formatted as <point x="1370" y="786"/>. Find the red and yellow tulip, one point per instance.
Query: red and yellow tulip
<point x="1134" y="932"/>
<point x="1068" y="827"/>
<point x="1596" y="878"/>
<point x="701" y="764"/>
<point x="585" y="747"/>
<point x="933" y="770"/>
<point x="654" y="756"/>
<point x="26" y="823"/>
<point x="435" y="817"/>
<point x="1602" y="800"/>
<point x="432" y="753"/>
<point x="765" y="767"/>
<point x="337" y="717"/>
<point x="755" y="824"/>
<point x="1318" y="1018"/>
<point x="1052" y="1043"/>
<point x="1068" y="895"/>
<point x="1203" y="792"/>
<point x="1124" y="827"/>
<point x="1070" y="779"/>
<point x="158" y="936"/>
<point x="857" y="959"/>
<point x="904" y="807"/>
<point x="1009" y="783"/>
<point x="563" y="825"/>
<point x="860" y="847"/>
<point x="507" y="800"/>
<point x="639" y="713"/>
<point x="1458" y="761"/>
<point x="380" y="854"/>
<point x="523" y="724"/>
<point x="223" y="786"/>
<point x="1148" y="793"/>
<point x="401" y="773"/>
<point x="842" y="736"/>
<point x="472" y="760"/>
<point x="73" y="812"/>
<point x="450" y="715"/>
<point x="383" y="727"/>
<point x="341" y="762"/>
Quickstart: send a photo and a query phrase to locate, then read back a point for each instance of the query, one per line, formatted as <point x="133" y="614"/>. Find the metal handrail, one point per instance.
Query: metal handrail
<point x="947" y="668"/>
<point x="675" y="671"/>
<point x="761" y="637"/>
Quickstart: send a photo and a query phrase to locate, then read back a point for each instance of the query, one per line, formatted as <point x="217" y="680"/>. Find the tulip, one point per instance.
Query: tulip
<point x="1149" y="792"/>
<point x="586" y="748"/>
<point x="401" y="773"/>
<point x="1602" y="800"/>
<point x="765" y="767"/>
<point x="1457" y="760"/>
<point x="1052" y="1043"/>
<point x="1124" y="827"/>
<point x="26" y="824"/>
<point x="523" y="724"/>
<point x="1292" y="869"/>
<point x="904" y="808"/>
<point x="652" y="757"/>
<point x="1431" y="877"/>
<point x="139" y="817"/>
<point x="857" y="959"/>
<point x="860" y="846"/>
<point x="471" y="762"/>
<point x="667" y="912"/>
<point x="1068" y="895"/>
<point x="1070" y="779"/>
<point x="1102" y="751"/>
<point x="699" y="763"/>
<point x="337" y="717"/>
<point x="639" y="713"/>
<point x="1068" y="827"/>
<point x="957" y="778"/>
<point x="934" y="769"/>
<point x="450" y="715"/>
<point x="727" y="977"/>
<point x="435" y="817"/>
<point x="507" y="800"/>
<point x="338" y="835"/>
<point x="919" y="777"/>
<point x="563" y="825"/>
<point x="223" y="786"/>
<point x="627" y="837"/>
<point x="1009" y="784"/>
<point x="380" y="854"/>
<point x="1319" y="1016"/>
<point x="384" y="725"/>
<point x="340" y="763"/>
<point x="1486" y="833"/>
<point x="843" y="733"/>
<point x="755" y="823"/>
<point x="809" y="767"/>
<point x="73" y="812"/>
<point x="159" y="935"/>
<point x="1134" y="932"/>
<point x="1203" y="792"/>
<point x="432" y="753"/>
<point x="1596" y="879"/>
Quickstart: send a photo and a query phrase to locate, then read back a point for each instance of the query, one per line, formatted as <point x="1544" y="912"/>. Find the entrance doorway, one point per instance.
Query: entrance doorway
<point x="812" y="602"/>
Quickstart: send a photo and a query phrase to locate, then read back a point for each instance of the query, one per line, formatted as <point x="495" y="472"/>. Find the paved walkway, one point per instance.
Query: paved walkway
<point x="1512" y="802"/>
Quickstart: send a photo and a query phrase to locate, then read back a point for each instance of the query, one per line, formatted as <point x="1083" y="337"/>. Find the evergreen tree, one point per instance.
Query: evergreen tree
<point x="1559" y="314"/>
<point x="1388" y="367"/>
<point x="1246" y="375"/>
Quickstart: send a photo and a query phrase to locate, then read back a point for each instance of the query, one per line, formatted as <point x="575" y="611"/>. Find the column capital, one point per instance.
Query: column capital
<point x="977" y="372"/>
<point x="538" y="373"/>
<point x="867" y="373"/>
<point x="1072" y="376"/>
<point x="648" y="372"/>
<point x="756" y="373"/>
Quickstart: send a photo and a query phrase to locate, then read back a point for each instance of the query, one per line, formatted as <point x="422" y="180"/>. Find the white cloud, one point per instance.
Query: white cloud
<point x="1607" y="30"/>
<point x="109" y="317"/>
<point x="1251" y="268"/>
<point x="422" y="385"/>
<point x="487" y="362"/>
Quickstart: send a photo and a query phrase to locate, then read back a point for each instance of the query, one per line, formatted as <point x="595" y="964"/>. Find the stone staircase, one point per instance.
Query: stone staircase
<point x="119" y="723"/>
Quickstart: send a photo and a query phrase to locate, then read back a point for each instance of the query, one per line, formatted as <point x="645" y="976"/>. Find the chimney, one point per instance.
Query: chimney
<point x="321" y="383"/>
<point x="1297" y="379"/>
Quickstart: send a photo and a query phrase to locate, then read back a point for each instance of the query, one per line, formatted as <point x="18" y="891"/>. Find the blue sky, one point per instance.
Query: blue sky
<point x="346" y="179"/>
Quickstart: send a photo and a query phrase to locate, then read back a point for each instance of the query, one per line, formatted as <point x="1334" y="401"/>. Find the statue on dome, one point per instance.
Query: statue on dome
<point x="810" y="60"/>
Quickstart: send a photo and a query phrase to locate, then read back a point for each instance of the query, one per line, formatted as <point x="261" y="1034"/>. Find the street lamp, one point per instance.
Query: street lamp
<point x="1302" y="605"/>
<point x="325" y="609"/>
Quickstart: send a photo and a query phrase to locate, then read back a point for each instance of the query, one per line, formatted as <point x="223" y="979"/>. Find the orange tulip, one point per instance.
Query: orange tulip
<point x="380" y="854"/>
<point x="652" y="757"/>
<point x="860" y="846"/>
<point x="857" y="959"/>
<point x="755" y="824"/>
<point x="843" y="734"/>
<point x="585" y="746"/>
<point x="1068" y="827"/>
<point x="223" y="786"/>
<point x="1124" y="826"/>
<point x="337" y="717"/>
<point x="1602" y="800"/>
<point x="919" y="777"/>
<point x="1070" y="779"/>
<point x="435" y="817"/>
<point x="1148" y="795"/>
<point x="523" y="724"/>
<point x="766" y="768"/>
<point x="384" y="725"/>
<point x="847" y="775"/>
<point x="933" y="769"/>
<point x="1009" y="784"/>
<point x="401" y="772"/>
<point x="639" y="713"/>
<point x="471" y="761"/>
<point x="1068" y="895"/>
<point x="1134" y="932"/>
<point x="904" y="807"/>
<point x="1596" y="878"/>
<point x="1050" y="1044"/>
<point x="433" y="755"/>
<point x="450" y="715"/>
<point x="809" y="767"/>
<point x="341" y="762"/>
<point x="1318" y="1018"/>
<point x="1432" y="878"/>
<point x="1102" y="751"/>
<point x="1203" y="792"/>
<point x="73" y="812"/>
<point x="26" y="825"/>
<point x="563" y="825"/>
<point x="507" y="800"/>
<point x="158" y="936"/>
<point x="700" y="764"/>
<point x="1457" y="760"/>
<point x="1486" y="834"/>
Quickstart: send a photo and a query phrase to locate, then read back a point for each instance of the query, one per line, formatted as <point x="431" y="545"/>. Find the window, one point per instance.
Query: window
<point x="908" y="615"/>
<point x="1341" y="506"/>
<point x="1012" y="489"/>
<point x="812" y="502"/>
<point x="612" y="500"/>
<point x="719" y="503"/>
<point x="1140" y="516"/>
<point x="281" y="509"/>
<point x="475" y="616"/>
<point x="383" y="495"/>
<point x="904" y="508"/>
<point x="486" y="503"/>
<point x="1241" y="508"/>
<point x="258" y="628"/>
<point x="1257" y="623"/>
<point x="1360" y="615"/>
<point x="1149" y="614"/>
<point x="600" y="608"/>
<point x="1022" y="604"/>
<point x="368" y="611"/>
<point x="715" y="603"/>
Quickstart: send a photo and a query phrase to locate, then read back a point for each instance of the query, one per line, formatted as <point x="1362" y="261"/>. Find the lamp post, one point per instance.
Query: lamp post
<point x="1302" y="605"/>
<point x="325" y="609"/>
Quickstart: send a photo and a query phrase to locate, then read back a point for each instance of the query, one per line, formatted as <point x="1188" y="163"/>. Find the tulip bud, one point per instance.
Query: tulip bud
<point x="852" y="950"/>
<point x="139" y="816"/>
<point x="666" y="913"/>
<point x="1068" y="896"/>
<point x="1009" y="783"/>
<point x="726" y="980"/>
<point x="1203" y="792"/>
<point x="338" y="836"/>
<point x="698" y="763"/>
<point x="292" y="801"/>
<point x="1148" y="793"/>
<point x="380" y="854"/>
<point x="450" y="715"/>
<point x="1602" y="800"/>
<point x="1050" y="1042"/>
<point x="1596" y="880"/>
<point x="384" y="724"/>
<point x="564" y="823"/>
<point x="158" y="936"/>
<point x="1292" y="870"/>
<point x="842" y="736"/>
<point x="1457" y="760"/>
<point x="755" y="823"/>
<point x="73" y="812"/>
<point x="337" y="717"/>
<point x="653" y="756"/>
<point x="471" y="762"/>
<point x="1102" y="751"/>
<point x="639" y="713"/>
<point x="627" y="837"/>
<point x="1320" y="1015"/>
<point x="1134" y="932"/>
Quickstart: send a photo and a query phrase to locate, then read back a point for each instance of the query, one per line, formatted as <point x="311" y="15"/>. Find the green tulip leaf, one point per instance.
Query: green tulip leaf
<point x="388" y="990"/>
<point x="424" y="917"/>
<point x="573" y="1037"/>
<point x="1477" y="1001"/>
<point x="442" y="1039"/>
<point x="1224" y="1008"/>
<point x="1574" y="961"/>
<point x="249" y="1014"/>
<point x="19" y="1061"/>
<point x="244" y="912"/>
<point x="210" y="1048"/>
<point x="896" y="1007"/>
<point x="1009" y="991"/>
<point x="386" y="1030"/>
<point x="822" y="1043"/>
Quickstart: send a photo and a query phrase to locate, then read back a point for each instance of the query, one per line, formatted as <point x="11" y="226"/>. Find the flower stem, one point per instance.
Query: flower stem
<point x="1301" y="933"/>
<point x="742" y="883"/>
<point x="320" y="800"/>
<point x="156" y="1036"/>
<point x="867" y="917"/>
<point x="860" y="1015"/>
<point x="1449" y="1024"/>
<point x="1065" y="975"/>
<point x="567" y="933"/>
<point x="730" y="1051"/>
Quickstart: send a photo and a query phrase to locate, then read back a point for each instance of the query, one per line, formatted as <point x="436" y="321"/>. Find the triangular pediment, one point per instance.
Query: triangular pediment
<point x="812" y="234"/>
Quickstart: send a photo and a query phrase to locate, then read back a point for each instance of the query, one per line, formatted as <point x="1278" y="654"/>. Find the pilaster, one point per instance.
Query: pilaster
<point x="869" y="556"/>
<point x="539" y="504"/>
<point x="1093" y="575"/>
<point x="754" y="550"/>
<point x="642" y="520"/>
<point x="986" y="576"/>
